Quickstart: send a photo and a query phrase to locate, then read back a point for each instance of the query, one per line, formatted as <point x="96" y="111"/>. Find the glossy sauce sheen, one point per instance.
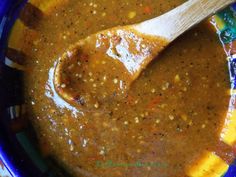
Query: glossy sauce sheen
<point x="104" y="65"/>
<point x="172" y="113"/>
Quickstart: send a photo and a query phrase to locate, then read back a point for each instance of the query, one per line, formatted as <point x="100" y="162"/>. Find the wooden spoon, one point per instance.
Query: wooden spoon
<point x="104" y="64"/>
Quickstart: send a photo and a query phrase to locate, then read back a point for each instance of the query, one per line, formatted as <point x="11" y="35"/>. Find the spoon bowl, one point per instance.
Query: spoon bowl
<point x="104" y="65"/>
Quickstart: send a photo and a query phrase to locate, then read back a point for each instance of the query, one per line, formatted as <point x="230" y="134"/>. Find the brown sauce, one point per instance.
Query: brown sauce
<point x="172" y="113"/>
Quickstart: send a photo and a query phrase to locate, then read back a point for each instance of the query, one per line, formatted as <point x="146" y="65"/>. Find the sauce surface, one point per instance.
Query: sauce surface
<point x="172" y="113"/>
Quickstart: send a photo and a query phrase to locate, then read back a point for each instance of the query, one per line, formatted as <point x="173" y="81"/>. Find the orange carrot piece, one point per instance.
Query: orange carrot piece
<point x="153" y="102"/>
<point x="130" y="100"/>
<point x="147" y="10"/>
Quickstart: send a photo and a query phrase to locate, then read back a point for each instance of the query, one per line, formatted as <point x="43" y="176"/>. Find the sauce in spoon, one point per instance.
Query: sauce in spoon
<point x="104" y="64"/>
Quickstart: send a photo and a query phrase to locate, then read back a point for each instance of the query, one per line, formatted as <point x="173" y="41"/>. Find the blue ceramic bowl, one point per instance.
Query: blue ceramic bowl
<point x="18" y="155"/>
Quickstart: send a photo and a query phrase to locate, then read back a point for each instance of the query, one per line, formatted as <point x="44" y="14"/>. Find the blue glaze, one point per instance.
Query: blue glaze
<point x="232" y="170"/>
<point x="6" y="21"/>
<point x="17" y="153"/>
<point x="228" y="32"/>
<point x="6" y="167"/>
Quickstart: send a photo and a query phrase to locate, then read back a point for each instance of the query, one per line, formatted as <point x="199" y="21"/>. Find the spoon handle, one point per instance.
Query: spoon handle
<point x="177" y="21"/>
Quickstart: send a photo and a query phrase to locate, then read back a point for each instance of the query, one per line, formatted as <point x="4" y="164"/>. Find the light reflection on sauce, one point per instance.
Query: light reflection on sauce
<point x="52" y="94"/>
<point x="128" y="50"/>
